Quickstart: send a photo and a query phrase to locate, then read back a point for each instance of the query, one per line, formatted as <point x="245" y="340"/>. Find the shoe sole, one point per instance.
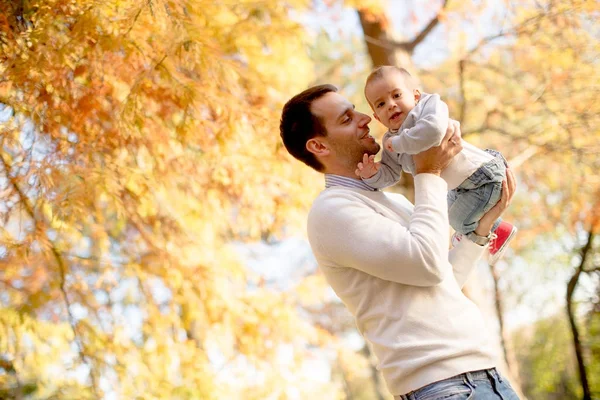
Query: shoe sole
<point x="492" y="260"/>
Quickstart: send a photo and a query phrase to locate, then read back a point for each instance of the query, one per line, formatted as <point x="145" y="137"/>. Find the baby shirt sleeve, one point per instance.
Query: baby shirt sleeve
<point x="431" y="115"/>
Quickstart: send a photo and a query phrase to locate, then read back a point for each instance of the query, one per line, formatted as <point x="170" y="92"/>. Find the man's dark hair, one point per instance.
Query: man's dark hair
<point x="298" y="124"/>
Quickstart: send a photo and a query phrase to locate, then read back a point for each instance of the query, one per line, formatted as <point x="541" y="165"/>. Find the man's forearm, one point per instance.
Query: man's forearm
<point x="431" y="209"/>
<point x="464" y="258"/>
<point x="351" y="234"/>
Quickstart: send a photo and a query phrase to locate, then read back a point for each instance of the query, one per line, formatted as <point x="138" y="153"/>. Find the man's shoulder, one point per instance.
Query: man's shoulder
<point x="333" y="196"/>
<point x="342" y="202"/>
<point x="335" y="210"/>
<point x="334" y="199"/>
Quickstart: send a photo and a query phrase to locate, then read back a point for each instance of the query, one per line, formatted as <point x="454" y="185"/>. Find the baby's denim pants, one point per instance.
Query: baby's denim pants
<point x="477" y="195"/>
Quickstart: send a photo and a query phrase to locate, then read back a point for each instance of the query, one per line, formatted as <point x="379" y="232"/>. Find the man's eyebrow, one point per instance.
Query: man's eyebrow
<point x="348" y="108"/>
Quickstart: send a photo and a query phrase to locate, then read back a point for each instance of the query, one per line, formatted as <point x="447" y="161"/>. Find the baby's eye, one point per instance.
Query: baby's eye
<point x="379" y="104"/>
<point x="397" y="95"/>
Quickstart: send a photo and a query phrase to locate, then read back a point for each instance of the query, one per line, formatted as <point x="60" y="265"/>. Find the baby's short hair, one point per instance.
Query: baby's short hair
<point x="378" y="73"/>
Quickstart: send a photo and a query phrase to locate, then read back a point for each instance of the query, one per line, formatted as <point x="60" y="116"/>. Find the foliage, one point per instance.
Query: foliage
<point x="547" y="361"/>
<point x="138" y="139"/>
<point x="534" y="95"/>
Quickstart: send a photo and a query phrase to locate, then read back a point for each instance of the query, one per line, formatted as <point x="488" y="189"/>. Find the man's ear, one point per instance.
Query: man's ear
<point x="417" y="94"/>
<point x="317" y="146"/>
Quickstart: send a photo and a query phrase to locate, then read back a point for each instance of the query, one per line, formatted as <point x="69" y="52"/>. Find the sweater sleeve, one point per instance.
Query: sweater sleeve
<point x="431" y="115"/>
<point x="464" y="258"/>
<point x="345" y="232"/>
<point x="389" y="172"/>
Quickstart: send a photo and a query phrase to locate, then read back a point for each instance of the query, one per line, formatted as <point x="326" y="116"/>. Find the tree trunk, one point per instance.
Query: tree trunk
<point x="375" y="376"/>
<point x="347" y="389"/>
<point x="571" y="313"/>
<point x="382" y="48"/>
<point x="509" y="356"/>
<point x="500" y="312"/>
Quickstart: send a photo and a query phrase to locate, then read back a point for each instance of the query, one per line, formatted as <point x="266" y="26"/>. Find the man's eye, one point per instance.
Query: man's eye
<point x="346" y="120"/>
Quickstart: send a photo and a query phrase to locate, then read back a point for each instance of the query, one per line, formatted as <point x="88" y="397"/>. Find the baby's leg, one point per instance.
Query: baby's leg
<point x="467" y="206"/>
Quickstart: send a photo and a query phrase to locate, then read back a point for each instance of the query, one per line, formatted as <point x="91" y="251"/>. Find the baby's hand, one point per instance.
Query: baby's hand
<point x="388" y="144"/>
<point x="368" y="167"/>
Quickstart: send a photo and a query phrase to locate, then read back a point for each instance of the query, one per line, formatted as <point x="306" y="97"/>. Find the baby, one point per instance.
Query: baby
<point x="417" y="121"/>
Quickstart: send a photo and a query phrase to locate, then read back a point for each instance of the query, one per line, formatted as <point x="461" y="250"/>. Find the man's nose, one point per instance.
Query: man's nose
<point x="365" y="119"/>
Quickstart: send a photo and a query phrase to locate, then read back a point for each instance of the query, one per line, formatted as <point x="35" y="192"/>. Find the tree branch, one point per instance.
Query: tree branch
<point x="500" y="314"/>
<point x="387" y="44"/>
<point x="408" y="46"/>
<point x="423" y="34"/>
<point x="463" y="99"/>
<point x="62" y="269"/>
<point x="585" y="251"/>
<point x="537" y="95"/>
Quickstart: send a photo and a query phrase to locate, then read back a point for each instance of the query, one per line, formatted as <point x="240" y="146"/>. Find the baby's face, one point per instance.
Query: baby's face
<point x="391" y="99"/>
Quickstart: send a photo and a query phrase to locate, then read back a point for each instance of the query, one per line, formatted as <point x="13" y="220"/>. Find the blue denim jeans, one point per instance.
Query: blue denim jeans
<point x="476" y="195"/>
<point x="477" y="385"/>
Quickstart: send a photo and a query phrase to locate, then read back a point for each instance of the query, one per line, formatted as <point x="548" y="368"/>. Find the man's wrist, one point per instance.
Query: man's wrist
<point x="428" y="171"/>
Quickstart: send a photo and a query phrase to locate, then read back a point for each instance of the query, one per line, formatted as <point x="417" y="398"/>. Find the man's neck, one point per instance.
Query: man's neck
<point x="342" y="172"/>
<point x="346" y="175"/>
<point x="339" y="180"/>
<point x="341" y="169"/>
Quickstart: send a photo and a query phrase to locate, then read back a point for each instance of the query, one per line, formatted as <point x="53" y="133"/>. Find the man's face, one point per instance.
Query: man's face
<point x="348" y="134"/>
<point x="391" y="99"/>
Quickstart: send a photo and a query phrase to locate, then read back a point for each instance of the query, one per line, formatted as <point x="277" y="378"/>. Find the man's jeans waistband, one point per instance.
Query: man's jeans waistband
<point x="468" y="377"/>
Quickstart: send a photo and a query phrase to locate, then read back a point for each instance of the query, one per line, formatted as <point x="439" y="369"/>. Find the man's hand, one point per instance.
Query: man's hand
<point x="435" y="159"/>
<point x="509" y="186"/>
<point x="368" y="167"/>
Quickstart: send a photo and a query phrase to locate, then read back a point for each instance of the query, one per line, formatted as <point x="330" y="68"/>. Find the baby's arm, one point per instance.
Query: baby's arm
<point x="430" y="127"/>
<point x="387" y="173"/>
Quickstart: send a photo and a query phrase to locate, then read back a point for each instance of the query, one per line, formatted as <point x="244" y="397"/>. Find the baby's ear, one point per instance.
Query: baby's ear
<point x="417" y="94"/>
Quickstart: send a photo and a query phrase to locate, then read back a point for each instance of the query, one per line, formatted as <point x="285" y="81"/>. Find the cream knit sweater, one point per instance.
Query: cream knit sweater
<point x="388" y="261"/>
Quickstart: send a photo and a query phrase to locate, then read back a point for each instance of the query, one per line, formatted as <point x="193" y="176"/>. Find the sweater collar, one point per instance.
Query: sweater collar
<point x="337" y="180"/>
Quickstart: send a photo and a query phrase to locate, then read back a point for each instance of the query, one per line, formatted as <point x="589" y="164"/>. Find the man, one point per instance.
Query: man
<point x="388" y="260"/>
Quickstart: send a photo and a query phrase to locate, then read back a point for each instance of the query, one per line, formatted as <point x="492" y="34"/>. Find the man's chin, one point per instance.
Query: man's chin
<point x="375" y="149"/>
